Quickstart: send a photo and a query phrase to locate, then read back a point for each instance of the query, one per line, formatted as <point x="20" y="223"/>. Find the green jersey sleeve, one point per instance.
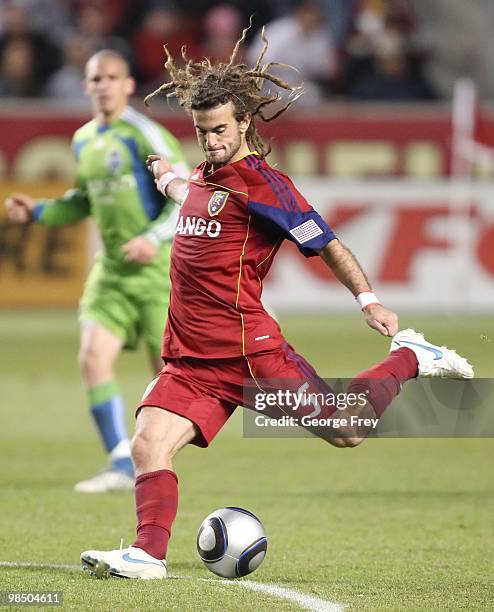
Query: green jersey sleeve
<point x="73" y="206"/>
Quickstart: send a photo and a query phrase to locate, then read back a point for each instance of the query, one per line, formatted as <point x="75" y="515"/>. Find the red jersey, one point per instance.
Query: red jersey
<point x="232" y="222"/>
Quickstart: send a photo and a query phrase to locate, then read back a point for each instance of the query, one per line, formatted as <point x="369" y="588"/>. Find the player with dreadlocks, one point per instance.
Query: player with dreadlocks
<point x="235" y="212"/>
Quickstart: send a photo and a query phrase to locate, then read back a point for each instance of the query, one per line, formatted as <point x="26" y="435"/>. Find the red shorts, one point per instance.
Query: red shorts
<point x="207" y="391"/>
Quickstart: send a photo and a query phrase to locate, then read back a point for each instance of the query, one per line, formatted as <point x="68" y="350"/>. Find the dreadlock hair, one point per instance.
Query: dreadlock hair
<point x="204" y="85"/>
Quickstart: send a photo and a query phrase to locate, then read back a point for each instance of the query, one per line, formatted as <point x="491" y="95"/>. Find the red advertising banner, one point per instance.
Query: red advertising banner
<point x="426" y="244"/>
<point x="350" y="141"/>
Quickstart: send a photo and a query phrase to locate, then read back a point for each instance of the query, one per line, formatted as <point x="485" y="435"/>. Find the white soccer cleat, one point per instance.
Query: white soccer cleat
<point x="105" y="482"/>
<point x="434" y="361"/>
<point x="128" y="562"/>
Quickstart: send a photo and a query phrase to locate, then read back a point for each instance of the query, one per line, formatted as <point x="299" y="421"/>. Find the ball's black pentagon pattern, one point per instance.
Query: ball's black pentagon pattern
<point x="243" y="511"/>
<point x="220" y="537"/>
<point x="242" y="568"/>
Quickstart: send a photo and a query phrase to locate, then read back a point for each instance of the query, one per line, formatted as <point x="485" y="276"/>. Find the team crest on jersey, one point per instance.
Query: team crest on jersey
<point x="114" y="161"/>
<point x="217" y="202"/>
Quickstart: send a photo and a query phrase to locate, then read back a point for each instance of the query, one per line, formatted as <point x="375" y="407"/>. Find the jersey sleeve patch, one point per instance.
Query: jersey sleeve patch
<point x="307" y="229"/>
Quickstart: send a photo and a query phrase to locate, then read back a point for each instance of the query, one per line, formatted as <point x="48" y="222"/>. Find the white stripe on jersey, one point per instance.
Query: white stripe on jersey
<point x="155" y="138"/>
<point x="166" y="230"/>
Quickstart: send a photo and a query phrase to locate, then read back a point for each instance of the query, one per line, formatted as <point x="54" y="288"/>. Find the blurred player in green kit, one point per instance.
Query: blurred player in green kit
<point x="126" y="293"/>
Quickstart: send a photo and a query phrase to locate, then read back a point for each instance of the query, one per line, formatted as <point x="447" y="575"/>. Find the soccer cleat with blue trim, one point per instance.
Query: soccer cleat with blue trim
<point x="128" y="562"/>
<point x="433" y="360"/>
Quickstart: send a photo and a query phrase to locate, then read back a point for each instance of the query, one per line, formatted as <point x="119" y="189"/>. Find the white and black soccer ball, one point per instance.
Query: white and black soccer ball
<point x="231" y="542"/>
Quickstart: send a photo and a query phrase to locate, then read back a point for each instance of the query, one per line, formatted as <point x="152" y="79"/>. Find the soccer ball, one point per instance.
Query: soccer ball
<point x="231" y="542"/>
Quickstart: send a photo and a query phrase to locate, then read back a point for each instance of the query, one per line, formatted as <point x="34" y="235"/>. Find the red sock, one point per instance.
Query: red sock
<point x="383" y="381"/>
<point x="156" y="507"/>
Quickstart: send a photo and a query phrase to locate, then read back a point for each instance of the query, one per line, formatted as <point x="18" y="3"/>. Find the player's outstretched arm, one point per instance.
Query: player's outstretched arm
<point x="71" y="207"/>
<point x="167" y="182"/>
<point x="348" y="271"/>
<point x="19" y="207"/>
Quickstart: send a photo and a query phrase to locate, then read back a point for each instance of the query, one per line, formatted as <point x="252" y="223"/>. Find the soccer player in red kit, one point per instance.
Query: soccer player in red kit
<point x="235" y="212"/>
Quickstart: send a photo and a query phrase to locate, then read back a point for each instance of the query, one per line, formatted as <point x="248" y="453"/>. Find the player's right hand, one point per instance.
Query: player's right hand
<point x="158" y="165"/>
<point x="19" y="207"/>
<point x="381" y="319"/>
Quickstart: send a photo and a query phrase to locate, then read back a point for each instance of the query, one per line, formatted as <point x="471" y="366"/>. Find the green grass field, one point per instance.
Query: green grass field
<point x="391" y="525"/>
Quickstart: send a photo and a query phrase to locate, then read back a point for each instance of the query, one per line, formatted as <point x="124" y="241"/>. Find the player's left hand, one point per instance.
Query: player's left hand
<point x="139" y="250"/>
<point x="380" y="318"/>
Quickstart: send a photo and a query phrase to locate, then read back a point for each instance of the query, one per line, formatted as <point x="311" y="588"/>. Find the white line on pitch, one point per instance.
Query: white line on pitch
<point x="29" y="565"/>
<point x="307" y="602"/>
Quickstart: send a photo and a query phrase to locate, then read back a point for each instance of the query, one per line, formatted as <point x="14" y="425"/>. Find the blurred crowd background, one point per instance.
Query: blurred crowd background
<point x="390" y="50"/>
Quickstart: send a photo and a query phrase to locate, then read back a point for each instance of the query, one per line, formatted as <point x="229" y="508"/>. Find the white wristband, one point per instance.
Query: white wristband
<point x="365" y="298"/>
<point x="165" y="180"/>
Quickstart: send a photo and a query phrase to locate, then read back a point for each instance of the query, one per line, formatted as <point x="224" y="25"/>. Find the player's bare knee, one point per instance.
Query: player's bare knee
<point x="142" y="447"/>
<point x="345" y="442"/>
<point x="147" y="441"/>
<point x="90" y="362"/>
<point x="352" y="442"/>
<point x="336" y="442"/>
<point x="159" y="433"/>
